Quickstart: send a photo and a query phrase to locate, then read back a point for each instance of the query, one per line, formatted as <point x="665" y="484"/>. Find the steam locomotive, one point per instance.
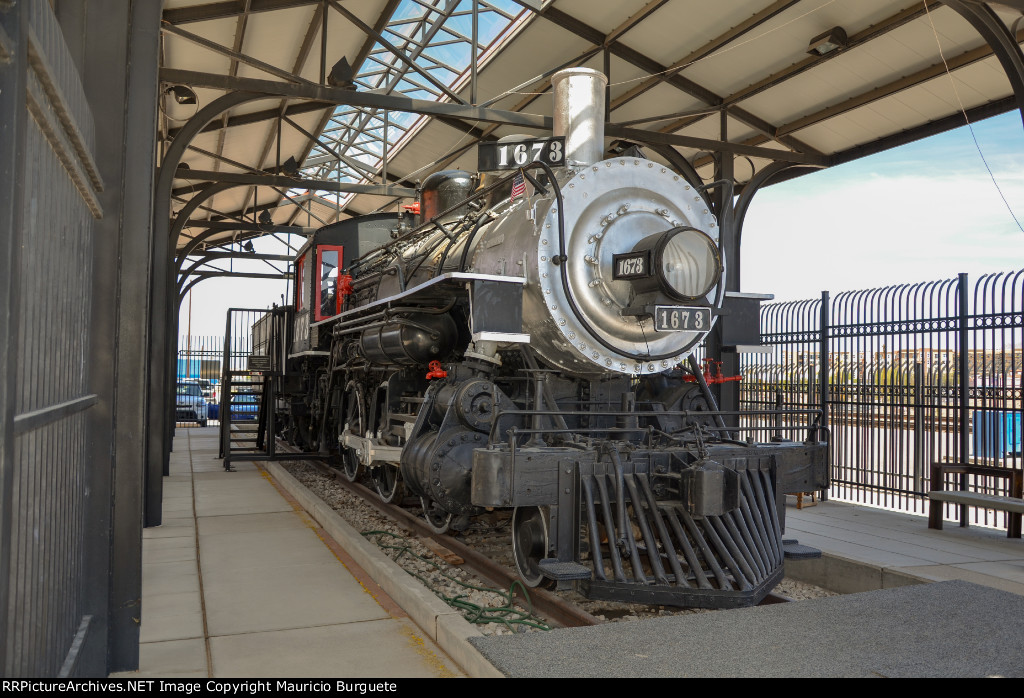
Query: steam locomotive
<point x="522" y="340"/>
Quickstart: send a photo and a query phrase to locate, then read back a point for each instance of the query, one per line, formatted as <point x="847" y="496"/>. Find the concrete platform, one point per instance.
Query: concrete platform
<point x="868" y="548"/>
<point x="949" y="629"/>
<point x="240" y="582"/>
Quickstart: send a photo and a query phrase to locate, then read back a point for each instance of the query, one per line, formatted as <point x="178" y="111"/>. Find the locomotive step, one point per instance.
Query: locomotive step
<point x="551" y="568"/>
<point x="792" y="549"/>
<point x="410" y="418"/>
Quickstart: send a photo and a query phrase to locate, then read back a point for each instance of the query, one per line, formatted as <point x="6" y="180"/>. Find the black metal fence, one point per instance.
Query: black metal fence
<point x="199" y="369"/>
<point x="75" y="213"/>
<point x="909" y="375"/>
<point x="201" y="359"/>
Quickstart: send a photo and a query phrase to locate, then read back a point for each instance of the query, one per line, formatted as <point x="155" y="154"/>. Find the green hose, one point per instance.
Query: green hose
<point x="508" y="615"/>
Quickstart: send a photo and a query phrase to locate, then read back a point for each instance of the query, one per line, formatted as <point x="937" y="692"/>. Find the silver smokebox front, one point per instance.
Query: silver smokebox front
<point x="579" y="113"/>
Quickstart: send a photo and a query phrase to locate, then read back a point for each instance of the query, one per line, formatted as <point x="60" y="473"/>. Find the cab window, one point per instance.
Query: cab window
<point x="301" y="288"/>
<point x="328" y="263"/>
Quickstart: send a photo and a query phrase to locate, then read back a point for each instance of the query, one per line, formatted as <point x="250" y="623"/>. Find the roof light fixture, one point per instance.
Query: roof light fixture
<point x="341" y="75"/>
<point x="832" y="40"/>
<point x="182" y="94"/>
<point x="290" y="167"/>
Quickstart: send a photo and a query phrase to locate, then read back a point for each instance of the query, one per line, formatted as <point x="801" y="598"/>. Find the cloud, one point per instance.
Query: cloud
<point x="876" y="229"/>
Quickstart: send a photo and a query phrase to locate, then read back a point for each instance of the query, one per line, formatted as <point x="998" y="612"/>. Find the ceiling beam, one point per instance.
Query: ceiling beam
<point x="256" y="117"/>
<point x="212" y="256"/>
<point x="340" y="96"/>
<point x="227" y="8"/>
<point x="269" y="180"/>
<point x="260" y="227"/>
<point x="642" y="136"/>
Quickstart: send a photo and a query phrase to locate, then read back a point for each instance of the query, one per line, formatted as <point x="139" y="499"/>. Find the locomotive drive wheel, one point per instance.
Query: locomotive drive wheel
<point x="350" y="464"/>
<point x="354" y="416"/>
<point x="530" y="543"/>
<point x="437" y="518"/>
<point x="387" y="481"/>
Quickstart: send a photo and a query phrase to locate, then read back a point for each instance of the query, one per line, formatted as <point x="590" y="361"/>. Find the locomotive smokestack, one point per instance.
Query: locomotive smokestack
<point x="579" y="113"/>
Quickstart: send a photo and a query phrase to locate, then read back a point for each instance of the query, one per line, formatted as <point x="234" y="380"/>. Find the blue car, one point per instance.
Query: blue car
<point x="243" y="407"/>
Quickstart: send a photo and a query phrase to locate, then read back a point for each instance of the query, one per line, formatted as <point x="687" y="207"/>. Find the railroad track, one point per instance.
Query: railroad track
<point x="557" y="611"/>
<point x="546" y="604"/>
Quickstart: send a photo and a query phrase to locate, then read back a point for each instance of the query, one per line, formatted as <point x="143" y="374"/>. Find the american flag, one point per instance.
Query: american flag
<point x="518" y="185"/>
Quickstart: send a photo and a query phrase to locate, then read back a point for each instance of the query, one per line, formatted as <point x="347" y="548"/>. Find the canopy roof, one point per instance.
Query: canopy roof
<point x="692" y="77"/>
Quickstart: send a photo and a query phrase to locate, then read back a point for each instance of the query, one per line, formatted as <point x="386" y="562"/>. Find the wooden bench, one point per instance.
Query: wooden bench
<point x="1013" y="505"/>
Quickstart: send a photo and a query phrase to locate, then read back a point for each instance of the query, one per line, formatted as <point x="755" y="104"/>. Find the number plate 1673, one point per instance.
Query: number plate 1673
<point x="674" y="318"/>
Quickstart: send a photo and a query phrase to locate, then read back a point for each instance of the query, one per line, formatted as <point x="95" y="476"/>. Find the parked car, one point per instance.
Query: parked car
<point x="244" y="406"/>
<point x="190" y="405"/>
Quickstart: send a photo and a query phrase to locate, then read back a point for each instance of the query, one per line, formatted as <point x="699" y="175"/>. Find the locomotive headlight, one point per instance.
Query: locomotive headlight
<point x="684" y="263"/>
<point x="687" y="262"/>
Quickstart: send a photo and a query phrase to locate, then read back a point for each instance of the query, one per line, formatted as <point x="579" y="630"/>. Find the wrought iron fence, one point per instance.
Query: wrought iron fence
<point x="201" y="360"/>
<point x="908" y="375"/>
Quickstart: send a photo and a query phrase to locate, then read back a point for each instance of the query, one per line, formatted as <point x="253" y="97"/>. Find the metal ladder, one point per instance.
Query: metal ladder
<point x="248" y="439"/>
<point x="242" y="439"/>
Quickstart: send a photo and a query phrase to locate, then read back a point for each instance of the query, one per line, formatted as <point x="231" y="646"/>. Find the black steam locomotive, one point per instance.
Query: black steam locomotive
<point x="524" y="341"/>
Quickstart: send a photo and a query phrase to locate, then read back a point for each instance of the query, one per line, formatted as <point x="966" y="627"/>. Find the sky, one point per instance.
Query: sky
<point x="925" y="211"/>
<point x="921" y="212"/>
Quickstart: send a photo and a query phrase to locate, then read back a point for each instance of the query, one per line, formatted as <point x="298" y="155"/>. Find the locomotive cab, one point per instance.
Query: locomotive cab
<point x="319" y="268"/>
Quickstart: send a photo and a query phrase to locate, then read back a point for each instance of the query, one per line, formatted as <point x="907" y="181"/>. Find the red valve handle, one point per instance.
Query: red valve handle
<point x="436" y="371"/>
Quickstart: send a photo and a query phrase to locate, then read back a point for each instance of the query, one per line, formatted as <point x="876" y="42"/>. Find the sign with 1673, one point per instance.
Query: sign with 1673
<point x="677" y="318"/>
<point x="513" y="155"/>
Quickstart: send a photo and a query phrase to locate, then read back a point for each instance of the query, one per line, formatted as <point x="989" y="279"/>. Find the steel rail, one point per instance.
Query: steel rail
<point x="544" y="602"/>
